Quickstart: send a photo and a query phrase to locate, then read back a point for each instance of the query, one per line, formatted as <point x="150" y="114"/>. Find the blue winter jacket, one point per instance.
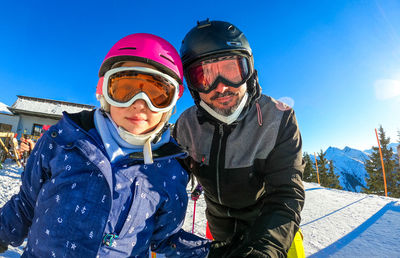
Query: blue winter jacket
<point x="66" y="196"/>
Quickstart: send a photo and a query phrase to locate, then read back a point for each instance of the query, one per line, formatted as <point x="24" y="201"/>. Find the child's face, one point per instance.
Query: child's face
<point x="138" y="118"/>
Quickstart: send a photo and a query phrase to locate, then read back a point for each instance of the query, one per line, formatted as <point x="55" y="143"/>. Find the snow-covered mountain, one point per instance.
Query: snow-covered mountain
<point x="393" y="146"/>
<point x="349" y="165"/>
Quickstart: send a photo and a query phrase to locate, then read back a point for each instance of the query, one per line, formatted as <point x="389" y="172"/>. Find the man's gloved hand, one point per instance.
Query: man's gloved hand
<point x="241" y="246"/>
<point x="253" y="253"/>
<point x="217" y="249"/>
<point x="3" y="248"/>
<point x="196" y="193"/>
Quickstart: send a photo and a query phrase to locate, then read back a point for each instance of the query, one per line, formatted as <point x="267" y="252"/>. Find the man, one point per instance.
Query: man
<point x="244" y="147"/>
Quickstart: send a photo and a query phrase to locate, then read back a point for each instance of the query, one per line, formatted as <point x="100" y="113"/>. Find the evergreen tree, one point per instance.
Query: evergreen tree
<point x="323" y="169"/>
<point x="315" y="175"/>
<point x="375" y="183"/>
<point x="309" y="170"/>
<point x="327" y="176"/>
<point x="332" y="177"/>
<point x="396" y="190"/>
<point x="398" y="149"/>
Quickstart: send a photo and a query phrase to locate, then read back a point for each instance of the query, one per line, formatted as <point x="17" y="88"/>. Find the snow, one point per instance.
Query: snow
<point x="392" y="145"/>
<point x="10" y="182"/>
<point x="338" y="223"/>
<point x="350" y="166"/>
<point x="48" y="107"/>
<point x="4" y="109"/>
<point x="334" y="223"/>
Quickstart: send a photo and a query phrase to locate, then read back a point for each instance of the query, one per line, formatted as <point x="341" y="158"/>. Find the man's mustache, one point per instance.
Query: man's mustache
<point x="220" y="95"/>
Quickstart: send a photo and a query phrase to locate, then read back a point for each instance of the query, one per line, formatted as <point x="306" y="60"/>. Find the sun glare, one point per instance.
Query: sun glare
<point x="387" y="89"/>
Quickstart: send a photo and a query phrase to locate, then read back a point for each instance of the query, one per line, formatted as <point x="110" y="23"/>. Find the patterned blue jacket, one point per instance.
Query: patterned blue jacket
<point x="66" y="196"/>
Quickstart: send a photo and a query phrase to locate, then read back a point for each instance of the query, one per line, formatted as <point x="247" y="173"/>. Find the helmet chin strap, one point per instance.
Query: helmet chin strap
<point x="226" y="119"/>
<point x="143" y="139"/>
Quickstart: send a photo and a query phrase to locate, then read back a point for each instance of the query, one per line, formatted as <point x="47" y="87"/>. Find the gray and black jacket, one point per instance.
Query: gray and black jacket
<point x="251" y="172"/>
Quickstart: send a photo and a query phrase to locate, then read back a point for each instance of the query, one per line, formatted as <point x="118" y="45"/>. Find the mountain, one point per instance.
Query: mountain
<point x="349" y="165"/>
<point x="393" y="146"/>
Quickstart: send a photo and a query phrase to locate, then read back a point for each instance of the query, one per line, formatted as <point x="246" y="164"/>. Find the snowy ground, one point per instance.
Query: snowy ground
<point x="335" y="223"/>
<point x="9" y="185"/>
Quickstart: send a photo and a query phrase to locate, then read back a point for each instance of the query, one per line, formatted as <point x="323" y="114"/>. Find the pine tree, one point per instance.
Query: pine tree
<point x="309" y="170"/>
<point x="398" y="149"/>
<point x="375" y="183"/>
<point x="327" y="176"/>
<point x="332" y="177"/>
<point x="396" y="190"/>
<point x="322" y="169"/>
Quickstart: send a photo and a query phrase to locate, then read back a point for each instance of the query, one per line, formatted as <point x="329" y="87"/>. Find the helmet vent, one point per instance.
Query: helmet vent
<point x="167" y="59"/>
<point x="233" y="43"/>
<point x="125" y="48"/>
<point x="202" y="24"/>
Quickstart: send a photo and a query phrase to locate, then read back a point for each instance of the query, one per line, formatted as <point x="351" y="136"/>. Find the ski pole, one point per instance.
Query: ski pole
<point x="194" y="215"/>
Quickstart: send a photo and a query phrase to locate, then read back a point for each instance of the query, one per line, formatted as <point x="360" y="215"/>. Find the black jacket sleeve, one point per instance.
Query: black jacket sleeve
<point x="274" y="230"/>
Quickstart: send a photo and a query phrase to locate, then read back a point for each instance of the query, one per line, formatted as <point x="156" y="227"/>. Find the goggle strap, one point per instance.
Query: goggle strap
<point x="160" y="133"/>
<point x="174" y="110"/>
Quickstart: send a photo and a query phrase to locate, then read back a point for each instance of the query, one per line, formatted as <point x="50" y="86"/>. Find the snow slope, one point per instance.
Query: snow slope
<point x="338" y="223"/>
<point x="335" y="223"/>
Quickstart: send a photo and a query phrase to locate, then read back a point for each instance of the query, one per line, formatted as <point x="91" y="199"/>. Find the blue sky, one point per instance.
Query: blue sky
<point x="338" y="60"/>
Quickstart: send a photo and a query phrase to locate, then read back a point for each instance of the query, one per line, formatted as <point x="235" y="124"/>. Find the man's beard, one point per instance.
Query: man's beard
<point x="228" y="110"/>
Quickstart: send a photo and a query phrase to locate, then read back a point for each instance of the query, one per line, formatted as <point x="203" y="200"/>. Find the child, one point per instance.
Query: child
<point x="106" y="183"/>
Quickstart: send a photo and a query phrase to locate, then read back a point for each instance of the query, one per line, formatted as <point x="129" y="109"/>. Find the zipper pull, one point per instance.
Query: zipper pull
<point x="108" y="239"/>
<point x="203" y="159"/>
<point x="221" y="129"/>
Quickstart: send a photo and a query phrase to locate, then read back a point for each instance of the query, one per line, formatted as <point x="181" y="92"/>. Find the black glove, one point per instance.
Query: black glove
<point x="217" y="249"/>
<point x="3" y="248"/>
<point x="252" y="254"/>
<point x="241" y="246"/>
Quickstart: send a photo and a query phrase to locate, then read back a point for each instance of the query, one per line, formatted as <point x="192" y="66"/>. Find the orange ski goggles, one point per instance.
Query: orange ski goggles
<point x="124" y="85"/>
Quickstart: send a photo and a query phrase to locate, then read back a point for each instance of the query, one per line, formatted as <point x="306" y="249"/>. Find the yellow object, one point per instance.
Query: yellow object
<point x="296" y="250"/>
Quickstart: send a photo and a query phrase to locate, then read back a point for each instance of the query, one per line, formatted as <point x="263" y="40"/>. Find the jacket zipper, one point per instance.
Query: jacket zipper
<point x="221" y="132"/>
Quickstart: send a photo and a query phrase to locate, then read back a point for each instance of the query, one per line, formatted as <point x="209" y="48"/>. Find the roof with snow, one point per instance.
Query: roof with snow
<point x="4" y="109"/>
<point x="45" y="107"/>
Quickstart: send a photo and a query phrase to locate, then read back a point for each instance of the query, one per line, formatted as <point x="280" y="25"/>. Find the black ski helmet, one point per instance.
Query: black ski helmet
<point x="209" y="38"/>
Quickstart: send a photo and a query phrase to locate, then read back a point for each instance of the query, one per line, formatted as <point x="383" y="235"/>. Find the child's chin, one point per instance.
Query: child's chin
<point x="139" y="131"/>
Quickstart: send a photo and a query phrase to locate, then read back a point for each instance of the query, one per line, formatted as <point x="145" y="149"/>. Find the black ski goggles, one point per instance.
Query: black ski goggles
<point x="205" y="75"/>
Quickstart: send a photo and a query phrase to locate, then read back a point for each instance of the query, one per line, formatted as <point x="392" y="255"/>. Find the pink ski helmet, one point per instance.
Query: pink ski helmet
<point x="147" y="48"/>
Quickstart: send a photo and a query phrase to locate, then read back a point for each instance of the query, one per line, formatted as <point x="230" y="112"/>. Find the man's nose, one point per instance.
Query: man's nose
<point x="221" y="88"/>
